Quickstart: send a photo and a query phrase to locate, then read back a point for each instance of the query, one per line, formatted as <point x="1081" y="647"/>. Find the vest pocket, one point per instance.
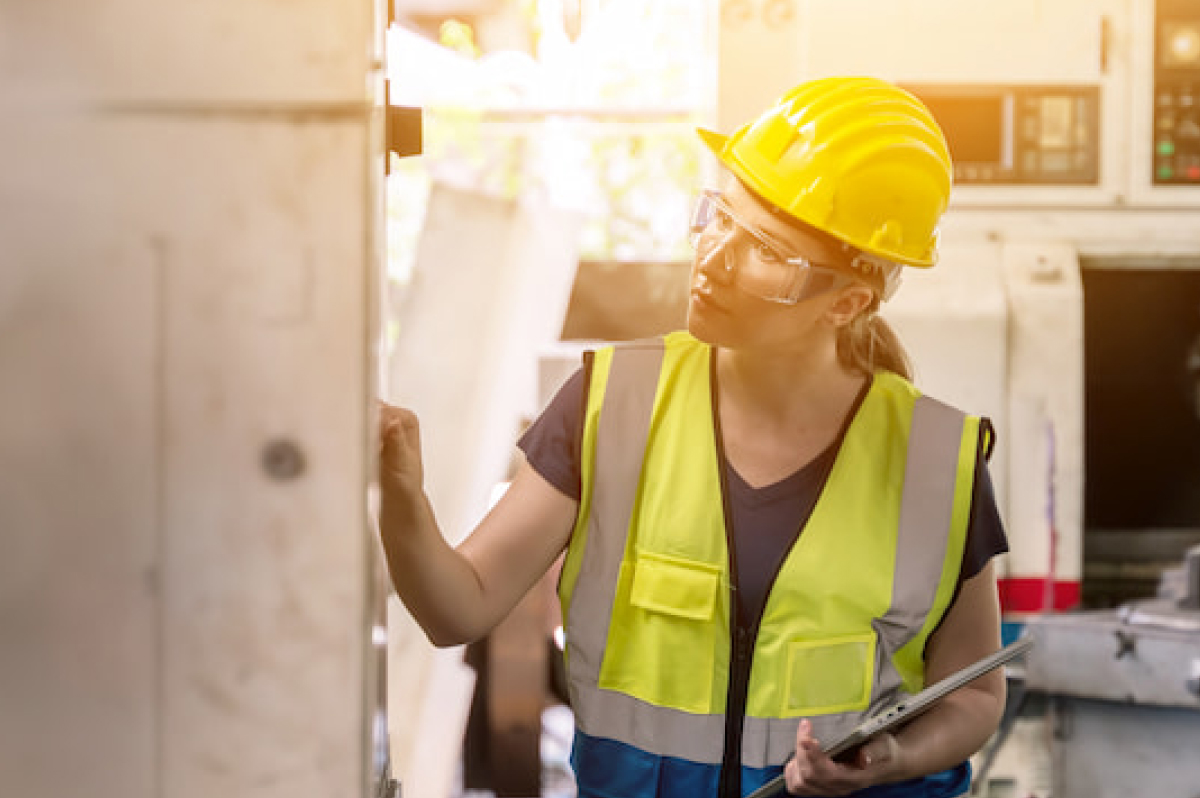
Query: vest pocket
<point x="664" y="632"/>
<point x="675" y="587"/>
<point x="830" y="675"/>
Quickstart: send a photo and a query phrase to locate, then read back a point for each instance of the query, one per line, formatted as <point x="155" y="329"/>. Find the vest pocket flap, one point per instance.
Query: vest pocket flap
<point x="830" y="675"/>
<point x="675" y="587"/>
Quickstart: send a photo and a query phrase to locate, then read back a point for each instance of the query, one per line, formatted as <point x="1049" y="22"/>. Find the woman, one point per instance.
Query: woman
<point x="769" y="533"/>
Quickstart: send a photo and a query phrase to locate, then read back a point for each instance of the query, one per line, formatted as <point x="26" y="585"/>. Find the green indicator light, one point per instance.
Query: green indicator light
<point x="1165" y="172"/>
<point x="1166" y="148"/>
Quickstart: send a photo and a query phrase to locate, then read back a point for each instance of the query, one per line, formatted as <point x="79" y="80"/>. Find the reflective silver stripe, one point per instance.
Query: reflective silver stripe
<point x="698" y="738"/>
<point x="926" y="510"/>
<point x="658" y="730"/>
<point x="770" y="741"/>
<point x="621" y="437"/>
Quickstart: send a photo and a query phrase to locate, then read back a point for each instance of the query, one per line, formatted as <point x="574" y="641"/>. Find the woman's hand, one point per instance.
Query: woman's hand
<point x="401" y="472"/>
<point x="811" y="772"/>
<point x="458" y="594"/>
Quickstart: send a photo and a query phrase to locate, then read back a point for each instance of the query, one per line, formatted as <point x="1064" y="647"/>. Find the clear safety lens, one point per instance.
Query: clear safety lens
<point x="757" y="263"/>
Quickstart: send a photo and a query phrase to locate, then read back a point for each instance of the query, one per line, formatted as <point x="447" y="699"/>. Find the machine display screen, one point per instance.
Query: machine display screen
<point x="973" y="126"/>
<point x="1019" y="134"/>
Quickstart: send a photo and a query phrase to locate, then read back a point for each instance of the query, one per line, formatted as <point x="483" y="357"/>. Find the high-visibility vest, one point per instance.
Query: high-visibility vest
<point x="646" y="587"/>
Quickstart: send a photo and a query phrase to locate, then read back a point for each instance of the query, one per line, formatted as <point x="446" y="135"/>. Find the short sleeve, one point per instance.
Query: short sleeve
<point x="986" y="537"/>
<point x="552" y="443"/>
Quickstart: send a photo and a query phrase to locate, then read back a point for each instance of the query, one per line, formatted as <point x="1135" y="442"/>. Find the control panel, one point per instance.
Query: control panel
<point x="1177" y="93"/>
<point x="1021" y="135"/>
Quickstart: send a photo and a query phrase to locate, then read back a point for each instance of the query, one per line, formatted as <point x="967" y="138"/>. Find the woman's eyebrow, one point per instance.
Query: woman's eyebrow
<point x="791" y="247"/>
<point x="775" y="240"/>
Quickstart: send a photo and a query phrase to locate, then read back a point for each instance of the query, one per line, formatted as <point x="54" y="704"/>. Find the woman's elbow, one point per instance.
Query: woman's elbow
<point x="450" y="633"/>
<point x="988" y="702"/>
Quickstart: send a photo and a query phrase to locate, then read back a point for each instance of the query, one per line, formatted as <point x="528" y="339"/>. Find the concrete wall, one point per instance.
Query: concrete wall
<point x="188" y="227"/>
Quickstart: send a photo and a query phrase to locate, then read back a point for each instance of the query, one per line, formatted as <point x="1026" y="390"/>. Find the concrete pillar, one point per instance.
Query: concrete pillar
<point x="188" y="222"/>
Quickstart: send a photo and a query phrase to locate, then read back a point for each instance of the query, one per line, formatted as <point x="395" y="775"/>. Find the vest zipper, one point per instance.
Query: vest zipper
<point x="735" y="710"/>
<point x="737" y="695"/>
<point x="741" y="653"/>
<point x="742" y="637"/>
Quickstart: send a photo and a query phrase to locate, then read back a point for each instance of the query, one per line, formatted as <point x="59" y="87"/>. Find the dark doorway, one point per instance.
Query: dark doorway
<point x="1142" y="427"/>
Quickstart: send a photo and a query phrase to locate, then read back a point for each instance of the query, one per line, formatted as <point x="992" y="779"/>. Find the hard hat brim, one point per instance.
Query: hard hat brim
<point x="714" y="141"/>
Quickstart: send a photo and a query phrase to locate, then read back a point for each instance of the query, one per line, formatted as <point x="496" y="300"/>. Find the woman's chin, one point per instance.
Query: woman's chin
<point x="701" y="329"/>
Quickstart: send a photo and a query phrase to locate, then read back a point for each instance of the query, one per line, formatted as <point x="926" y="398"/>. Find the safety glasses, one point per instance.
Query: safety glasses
<point x="757" y="263"/>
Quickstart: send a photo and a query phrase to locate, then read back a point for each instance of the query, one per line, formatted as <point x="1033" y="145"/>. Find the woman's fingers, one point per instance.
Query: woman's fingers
<point x="400" y="464"/>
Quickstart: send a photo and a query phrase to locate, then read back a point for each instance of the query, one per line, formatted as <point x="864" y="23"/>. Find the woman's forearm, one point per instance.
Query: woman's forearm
<point x="958" y="725"/>
<point x="953" y="730"/>
<point x="434" y="581"/>
<point x="459" y="594"/>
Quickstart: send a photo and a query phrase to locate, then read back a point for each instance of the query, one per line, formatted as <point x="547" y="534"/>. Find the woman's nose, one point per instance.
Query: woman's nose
<point x="717" y="262"/>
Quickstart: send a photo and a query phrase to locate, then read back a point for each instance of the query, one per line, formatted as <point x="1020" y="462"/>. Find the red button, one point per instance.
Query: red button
<point x="1193" y="172"/>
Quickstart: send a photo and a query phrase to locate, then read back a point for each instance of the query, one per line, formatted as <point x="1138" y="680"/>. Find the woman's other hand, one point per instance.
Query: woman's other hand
<point x="812" y="772"/>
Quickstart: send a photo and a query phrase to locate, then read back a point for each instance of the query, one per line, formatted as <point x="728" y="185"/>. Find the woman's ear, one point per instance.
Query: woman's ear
<point x="849" y="303"/>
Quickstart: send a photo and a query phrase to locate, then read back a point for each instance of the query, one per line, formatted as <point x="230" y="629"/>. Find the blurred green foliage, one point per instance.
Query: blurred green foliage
<point x="604" y="125"/>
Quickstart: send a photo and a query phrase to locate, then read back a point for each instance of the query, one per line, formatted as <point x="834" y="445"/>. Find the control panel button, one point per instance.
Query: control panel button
<point x="1175" y="136"/>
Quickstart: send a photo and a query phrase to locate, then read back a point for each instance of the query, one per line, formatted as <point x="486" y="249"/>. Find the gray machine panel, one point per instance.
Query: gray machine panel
<point x="1101" y="749"/>
<point x="1111" y="656"/>
<point x="1124" y="691"/>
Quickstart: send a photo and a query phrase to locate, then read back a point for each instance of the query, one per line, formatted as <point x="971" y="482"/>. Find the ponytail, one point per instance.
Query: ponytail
<point x="869" y="344"/>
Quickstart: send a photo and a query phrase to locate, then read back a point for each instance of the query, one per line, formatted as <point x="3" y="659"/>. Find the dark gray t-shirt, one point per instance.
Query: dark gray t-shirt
<point x="765" y="521"/>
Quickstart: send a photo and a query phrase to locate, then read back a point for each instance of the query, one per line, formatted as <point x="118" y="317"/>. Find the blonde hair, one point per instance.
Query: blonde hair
<point x="869" y="344"/>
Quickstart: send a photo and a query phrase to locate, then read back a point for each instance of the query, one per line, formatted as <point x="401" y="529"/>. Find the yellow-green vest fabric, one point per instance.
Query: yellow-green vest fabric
<point x="646" y="588"/>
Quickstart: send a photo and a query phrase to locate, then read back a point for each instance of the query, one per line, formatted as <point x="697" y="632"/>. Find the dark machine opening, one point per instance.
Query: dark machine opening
<point x="1142" y="426"/>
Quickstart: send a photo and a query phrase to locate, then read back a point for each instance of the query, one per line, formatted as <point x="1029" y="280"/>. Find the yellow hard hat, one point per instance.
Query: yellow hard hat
<point x="857" y="157"/>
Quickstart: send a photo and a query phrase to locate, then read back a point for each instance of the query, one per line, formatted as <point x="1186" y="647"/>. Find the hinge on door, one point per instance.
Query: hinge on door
<point x="402" y="128"/>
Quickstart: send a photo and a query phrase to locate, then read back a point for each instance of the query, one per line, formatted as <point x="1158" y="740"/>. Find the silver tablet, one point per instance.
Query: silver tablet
<point x="903" y="711"/>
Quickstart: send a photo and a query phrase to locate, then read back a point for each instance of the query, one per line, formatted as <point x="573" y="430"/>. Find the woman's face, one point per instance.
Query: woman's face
<point x="726" y="305"/>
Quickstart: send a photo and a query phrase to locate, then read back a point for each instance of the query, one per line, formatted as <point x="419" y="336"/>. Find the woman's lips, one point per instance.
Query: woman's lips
<point x="704" y="299"/>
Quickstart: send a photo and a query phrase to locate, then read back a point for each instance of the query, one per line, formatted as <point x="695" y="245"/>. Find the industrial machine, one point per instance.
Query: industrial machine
<point x="1124" y="692"/>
